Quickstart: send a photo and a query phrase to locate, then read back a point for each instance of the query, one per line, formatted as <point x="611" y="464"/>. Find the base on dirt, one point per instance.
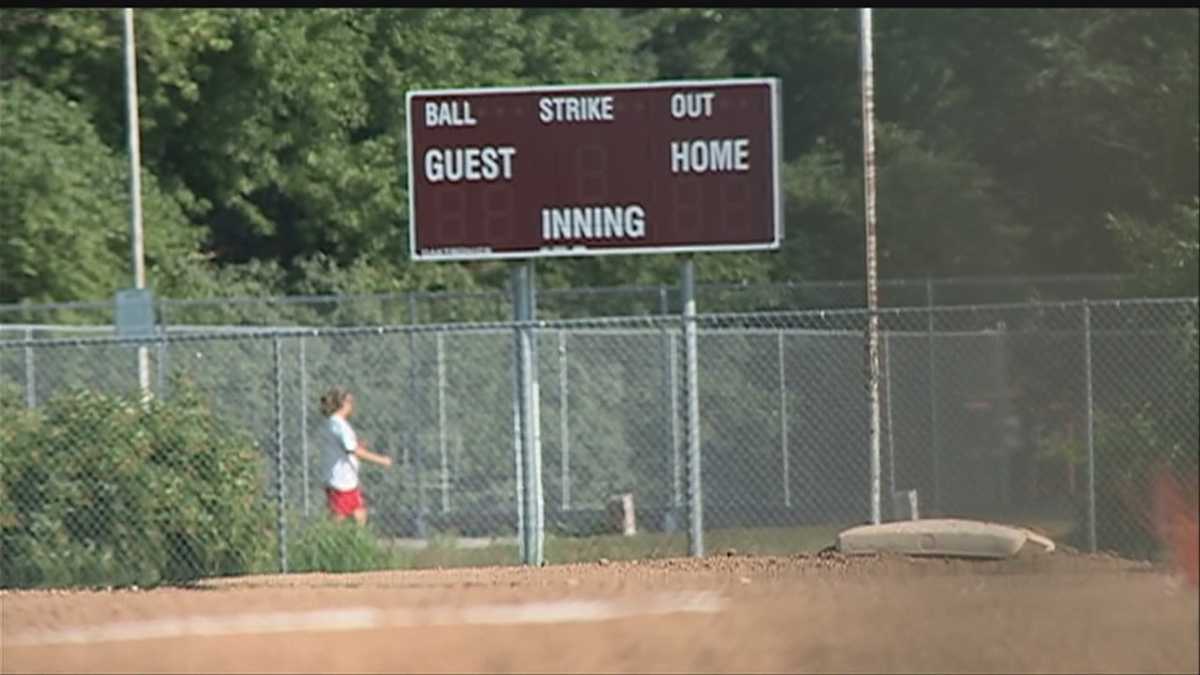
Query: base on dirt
<point x="939" y="537"/>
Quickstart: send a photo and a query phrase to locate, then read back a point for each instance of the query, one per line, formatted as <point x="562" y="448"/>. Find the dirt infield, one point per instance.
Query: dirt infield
<point x="726" y="613"/>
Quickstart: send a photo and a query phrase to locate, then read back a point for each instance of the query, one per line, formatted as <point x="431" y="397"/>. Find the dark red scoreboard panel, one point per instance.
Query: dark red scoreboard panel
<point x="583" y="170"/>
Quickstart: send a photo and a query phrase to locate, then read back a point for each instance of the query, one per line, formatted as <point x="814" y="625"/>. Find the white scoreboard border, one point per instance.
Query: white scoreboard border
<point x="580" y="250"/>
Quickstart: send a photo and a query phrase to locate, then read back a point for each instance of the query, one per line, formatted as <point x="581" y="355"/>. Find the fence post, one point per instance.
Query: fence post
<point x="670" y="386"/>
<point x="933" y="398"/>
<point x="30" y="373"/>
<point x="695" y="497"/>
<point x="413" y="442"/>
<point x="280" y="483"/>
<point x="563" y="423"/>
<point x="783" y="425"/>
<point x="164" y="330"/>
<point x="676" y="449"/>
<point x="441" y="404"/>
<point x="162" y="362"/>
<point x="891" y="438"/>
<point x="1091" y="448"/>
<point x="304" y="420"/>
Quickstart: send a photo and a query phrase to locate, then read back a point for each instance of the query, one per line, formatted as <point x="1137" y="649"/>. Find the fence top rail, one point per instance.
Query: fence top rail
<point x="920" y="310"/>
<point x="169" y="328"/>
<point x="494" y="293"/>
<point x="577" y="331"/>
<point x="649" y="321"/>
<point x="923" y="281"/>
<point x="56" y="328"/>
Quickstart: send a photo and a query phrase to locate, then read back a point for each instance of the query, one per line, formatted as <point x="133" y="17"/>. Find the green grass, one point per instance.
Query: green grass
<point x="329" y="547"/>
<point x="344" y="548"/>
<point x="758" y="541"/>
<point x="442" y="552"/>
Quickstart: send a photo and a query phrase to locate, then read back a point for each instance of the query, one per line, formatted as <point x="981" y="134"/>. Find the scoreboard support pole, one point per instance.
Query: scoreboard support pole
<point x="528" y="428"/>
<point x="695" y="502"/>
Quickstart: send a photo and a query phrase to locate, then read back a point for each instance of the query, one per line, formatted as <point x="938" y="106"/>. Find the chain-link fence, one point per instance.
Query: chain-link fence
<point x="1049" y="415"/>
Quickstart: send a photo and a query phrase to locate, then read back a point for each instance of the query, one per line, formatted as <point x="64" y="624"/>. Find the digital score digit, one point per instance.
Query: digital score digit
<point x="499" y="212"/>
<point x="451" y="212"/>
<point x="687" y="205"/>
<point x="591" y="170"/>
<point x="737" y="206"/>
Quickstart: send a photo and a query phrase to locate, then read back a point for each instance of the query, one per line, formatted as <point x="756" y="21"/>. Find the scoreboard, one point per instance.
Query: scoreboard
<point x="657" y="167"/>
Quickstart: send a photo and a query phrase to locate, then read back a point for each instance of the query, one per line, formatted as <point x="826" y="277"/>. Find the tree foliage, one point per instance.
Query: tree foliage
<point x="273" y="142"/>
<point x="62" y="204"/>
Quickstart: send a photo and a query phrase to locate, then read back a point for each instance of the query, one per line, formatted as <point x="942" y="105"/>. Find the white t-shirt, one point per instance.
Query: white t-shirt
<point x="341" y="466"/>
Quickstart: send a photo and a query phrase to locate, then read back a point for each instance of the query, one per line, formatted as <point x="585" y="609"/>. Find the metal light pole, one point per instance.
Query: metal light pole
<point x="135" y="185"/>
<point x="868" y="122"/>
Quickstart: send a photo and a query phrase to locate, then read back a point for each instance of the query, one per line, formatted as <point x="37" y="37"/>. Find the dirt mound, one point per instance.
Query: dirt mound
<point x="816" y="613"/>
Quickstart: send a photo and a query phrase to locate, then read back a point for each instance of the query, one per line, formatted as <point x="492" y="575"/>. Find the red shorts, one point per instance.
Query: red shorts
<point x="344" y="503"/>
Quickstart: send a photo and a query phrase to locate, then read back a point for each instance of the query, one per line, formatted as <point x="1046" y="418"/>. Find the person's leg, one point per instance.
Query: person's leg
<point x="360" y="507"/>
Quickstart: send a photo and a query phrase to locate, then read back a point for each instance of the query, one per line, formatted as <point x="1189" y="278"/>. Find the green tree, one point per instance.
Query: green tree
<point x="64" y="204"/>
<point x="1006" y="137"/>
<point x="1163" y="255"/>
<point x="940" y="213"/>
<point x="1075" y="113"/>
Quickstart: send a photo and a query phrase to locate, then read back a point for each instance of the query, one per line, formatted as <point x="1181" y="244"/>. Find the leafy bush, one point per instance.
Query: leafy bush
<point x="327" y="545"/>
<point x="1130" y="448"/>
<point x="1147" y="434"/>
<point x="98" y="489"/>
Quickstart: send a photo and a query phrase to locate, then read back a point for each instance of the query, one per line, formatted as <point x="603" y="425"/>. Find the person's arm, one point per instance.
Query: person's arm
<point x="362" y="453"/>
<point x="355" y="446"/>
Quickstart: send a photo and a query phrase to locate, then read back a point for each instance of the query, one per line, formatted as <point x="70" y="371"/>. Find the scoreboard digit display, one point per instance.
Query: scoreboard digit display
<point x="657" y="167"/>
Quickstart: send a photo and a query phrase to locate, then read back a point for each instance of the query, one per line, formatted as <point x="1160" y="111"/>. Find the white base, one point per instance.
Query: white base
<point x="939" y="537"/>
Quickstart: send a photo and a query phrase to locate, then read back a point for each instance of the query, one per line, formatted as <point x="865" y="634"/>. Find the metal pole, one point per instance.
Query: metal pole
<point x="30" y="373"/>
<point x="160" y="313"/>
<point x="532" y="550"/>
<point x="135" y="185"/>
<point x="933" y="399"/>
<point x="536" y="495"/>
<point x="1000" y="368"/>
<point x="1091" y="448"/>
<point x="413" y="442"/>
<point x="783" y="425"/>
<point x="672" y="427"/>
<point x="676" y="449"/>
<point x="868" y="121"/>
<point x="563" y="420"/>
<point x="304" y="420"/>
<point x="161" y="369"/>
<point x="887" y="376"/>
<point x="441" y="404"/>
<point x="516" y="286"/>
<point x="695" y="500"/>
<point x="280" y="484"/>
<point x="163" y="325"/>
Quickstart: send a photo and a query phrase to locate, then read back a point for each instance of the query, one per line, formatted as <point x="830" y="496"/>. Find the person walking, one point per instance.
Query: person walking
<point x="343" y="449"/>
